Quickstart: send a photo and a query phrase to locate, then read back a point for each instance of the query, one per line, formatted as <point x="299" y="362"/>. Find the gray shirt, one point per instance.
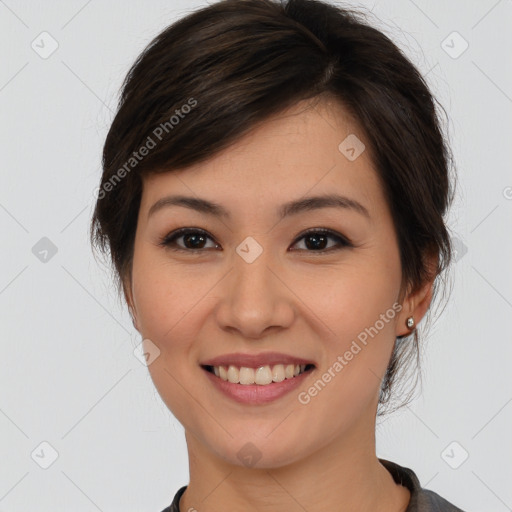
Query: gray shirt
<point x="422" y="500"/>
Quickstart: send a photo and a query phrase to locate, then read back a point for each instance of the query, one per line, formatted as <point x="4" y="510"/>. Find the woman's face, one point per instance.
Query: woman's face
<point x="254" y="282"/>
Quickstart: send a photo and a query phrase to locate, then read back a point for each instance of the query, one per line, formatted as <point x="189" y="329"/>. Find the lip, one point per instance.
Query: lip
<point x="255" y="360"/>
<point x="254" y="394"/>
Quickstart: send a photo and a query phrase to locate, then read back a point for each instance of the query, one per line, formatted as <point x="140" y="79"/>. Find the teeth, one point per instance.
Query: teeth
<point x="262" y="375"/>
<point x="246" y="375"/>
<point x="278" y="373"/>
<point x="233" y="374"/>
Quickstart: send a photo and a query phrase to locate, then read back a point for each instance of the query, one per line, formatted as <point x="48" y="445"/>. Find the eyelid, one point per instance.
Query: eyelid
<point x="168" y="239"/>
<point x="345" y="241"/>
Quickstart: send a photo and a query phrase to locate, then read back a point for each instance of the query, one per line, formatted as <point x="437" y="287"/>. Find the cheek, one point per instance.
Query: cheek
<point x="351" y="298"/>
<point x="162" y="295"/>
<point x="167" y="305"/>
<point x="357" y="307"/>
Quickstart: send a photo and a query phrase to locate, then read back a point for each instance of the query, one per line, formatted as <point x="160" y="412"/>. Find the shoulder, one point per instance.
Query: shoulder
<point x="175" y="505"/>
<point x="422" y="500"/>
<point x="429" y="500"/>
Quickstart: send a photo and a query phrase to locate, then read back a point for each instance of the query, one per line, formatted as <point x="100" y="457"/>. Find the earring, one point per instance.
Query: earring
<point x="410" y="322"/>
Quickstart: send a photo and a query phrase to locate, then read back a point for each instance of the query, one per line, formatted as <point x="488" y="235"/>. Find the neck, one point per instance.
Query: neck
<point x="344" y="475"/>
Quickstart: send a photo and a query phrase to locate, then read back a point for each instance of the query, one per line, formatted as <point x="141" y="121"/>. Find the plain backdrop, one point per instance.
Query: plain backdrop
<point x="73" y="396"/>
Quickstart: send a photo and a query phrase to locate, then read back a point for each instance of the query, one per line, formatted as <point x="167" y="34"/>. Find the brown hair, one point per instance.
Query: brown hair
<point x="214" y="75"/>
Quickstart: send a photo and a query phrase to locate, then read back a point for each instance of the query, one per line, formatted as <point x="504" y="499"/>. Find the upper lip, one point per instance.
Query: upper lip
<point x="255" y="360"/>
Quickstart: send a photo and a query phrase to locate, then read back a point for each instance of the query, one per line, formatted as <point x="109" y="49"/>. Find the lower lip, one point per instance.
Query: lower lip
<point x="255" y="393"/>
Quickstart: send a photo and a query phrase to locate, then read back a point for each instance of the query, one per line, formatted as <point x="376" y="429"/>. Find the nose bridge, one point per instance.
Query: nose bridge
<point x="252" y="265"/>
<point x="253" y="280"/>
<point x="254" y="298"/>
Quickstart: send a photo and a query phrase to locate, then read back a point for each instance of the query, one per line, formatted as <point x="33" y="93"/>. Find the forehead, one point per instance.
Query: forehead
<point x="307" y="149"/>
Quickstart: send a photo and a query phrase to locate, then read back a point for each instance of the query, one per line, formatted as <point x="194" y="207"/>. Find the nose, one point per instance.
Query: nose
<point x="255" y="298"/>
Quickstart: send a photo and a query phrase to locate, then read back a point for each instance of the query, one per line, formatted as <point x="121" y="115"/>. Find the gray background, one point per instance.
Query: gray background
<point x="68" y="375"/>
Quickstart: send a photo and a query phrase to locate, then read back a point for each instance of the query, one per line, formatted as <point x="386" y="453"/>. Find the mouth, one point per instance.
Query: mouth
<point x="261" y="375"/>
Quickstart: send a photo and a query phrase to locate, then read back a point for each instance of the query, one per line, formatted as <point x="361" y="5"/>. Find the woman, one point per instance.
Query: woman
<point x="273" y="196"/>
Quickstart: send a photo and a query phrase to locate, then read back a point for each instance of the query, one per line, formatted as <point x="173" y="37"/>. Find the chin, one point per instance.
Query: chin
<point x="257" y="452"/>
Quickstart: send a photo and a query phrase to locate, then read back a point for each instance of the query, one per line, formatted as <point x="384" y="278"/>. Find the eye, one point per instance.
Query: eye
<point x="194" y="240"/>
<point x="317" y="239"/>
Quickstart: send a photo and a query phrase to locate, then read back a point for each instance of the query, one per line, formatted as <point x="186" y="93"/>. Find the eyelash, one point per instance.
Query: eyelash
<point x="169" y="241"/>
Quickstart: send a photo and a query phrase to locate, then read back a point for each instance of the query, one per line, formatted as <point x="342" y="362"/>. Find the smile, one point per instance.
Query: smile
<point x="261" y="376"/>
<point x="241" y="383"/>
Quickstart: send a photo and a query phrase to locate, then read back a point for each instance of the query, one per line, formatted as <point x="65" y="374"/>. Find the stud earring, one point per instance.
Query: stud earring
<point x="410" y="322"/>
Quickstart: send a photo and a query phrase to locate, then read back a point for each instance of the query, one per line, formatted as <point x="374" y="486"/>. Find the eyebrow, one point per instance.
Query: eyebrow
<point x="291" y="208"/>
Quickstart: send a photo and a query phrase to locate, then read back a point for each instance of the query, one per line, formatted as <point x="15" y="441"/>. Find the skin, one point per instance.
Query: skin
<point x="197" y="305"/>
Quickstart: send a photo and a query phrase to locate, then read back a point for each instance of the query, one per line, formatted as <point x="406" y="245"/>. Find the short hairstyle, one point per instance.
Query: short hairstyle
<point x="214" y="75"/>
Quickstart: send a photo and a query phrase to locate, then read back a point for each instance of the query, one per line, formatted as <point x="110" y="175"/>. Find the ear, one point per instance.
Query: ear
<point x="416" y="303"/>
<point x="128" y="295"/>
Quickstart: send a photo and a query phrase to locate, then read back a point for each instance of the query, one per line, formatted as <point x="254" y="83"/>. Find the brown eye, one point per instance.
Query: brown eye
<point x="193" y="240"/>
<point x="316" y="240"/>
